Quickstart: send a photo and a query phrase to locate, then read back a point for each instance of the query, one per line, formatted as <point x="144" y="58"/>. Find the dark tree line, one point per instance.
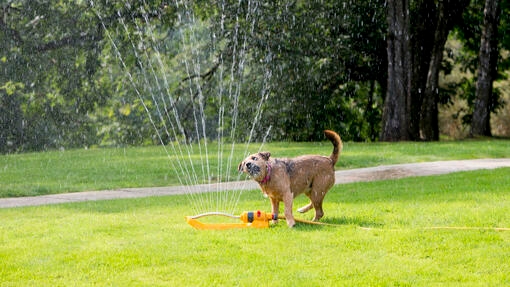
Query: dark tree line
<point x="416" y="39"/>
<point x="93" y="73"/>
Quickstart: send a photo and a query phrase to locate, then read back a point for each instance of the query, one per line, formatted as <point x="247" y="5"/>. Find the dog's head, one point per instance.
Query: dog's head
<point x="255" y="165"/>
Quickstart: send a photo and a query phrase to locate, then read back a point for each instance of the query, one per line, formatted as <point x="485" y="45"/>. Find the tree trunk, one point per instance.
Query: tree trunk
<point x="448" y="13"/>
<point x="429" y="126"/>
<point x="397" y="105"/>
<point x="424" y="20"/>
<point x="488" y="57"/>
<point x="11" y="126"/>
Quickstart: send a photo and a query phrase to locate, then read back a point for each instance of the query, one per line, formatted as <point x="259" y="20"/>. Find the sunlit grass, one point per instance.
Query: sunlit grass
<point x="146" y="242"/>
<point x="110" y="168"/>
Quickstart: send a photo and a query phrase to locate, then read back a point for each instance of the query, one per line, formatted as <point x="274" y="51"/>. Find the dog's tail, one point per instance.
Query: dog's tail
<point x="337" y="145"/>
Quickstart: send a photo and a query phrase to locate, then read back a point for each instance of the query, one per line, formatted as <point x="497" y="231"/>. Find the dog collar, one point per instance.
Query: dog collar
<point x="268" y="174"/>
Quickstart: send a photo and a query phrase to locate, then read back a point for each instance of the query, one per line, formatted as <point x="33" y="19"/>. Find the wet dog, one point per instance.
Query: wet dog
<point x="284" y="179"/>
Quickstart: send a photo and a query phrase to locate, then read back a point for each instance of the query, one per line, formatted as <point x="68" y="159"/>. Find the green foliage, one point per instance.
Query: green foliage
<point x="89" y="73"/>
<point x="10" y="123"/>
<point x="55" y="52"/>
<point x="469" y="33"/>
<point x="315" y="52"/>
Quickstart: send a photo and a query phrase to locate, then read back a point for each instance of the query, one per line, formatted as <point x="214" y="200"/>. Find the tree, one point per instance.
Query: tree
<point x="417" y="33"/>
<point x="51" y="51"/>
<point x="398" y="101"/>
<point x="326" y="61"/>
<point x="487" y="70"/>
<point x="449" y="13"/>
<point x="101" y="72"/>
<point x="11" y="125"/>
<point x="469" y="33"/>
<point x="48" y="51"/>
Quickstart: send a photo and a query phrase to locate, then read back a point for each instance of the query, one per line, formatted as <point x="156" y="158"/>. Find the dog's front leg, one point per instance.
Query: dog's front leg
<point x="275" y="208"/>
<point x="287" y="202"/>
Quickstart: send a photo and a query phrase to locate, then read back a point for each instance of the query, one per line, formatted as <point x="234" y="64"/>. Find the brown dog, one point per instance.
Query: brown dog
<point x="284" y="179"/>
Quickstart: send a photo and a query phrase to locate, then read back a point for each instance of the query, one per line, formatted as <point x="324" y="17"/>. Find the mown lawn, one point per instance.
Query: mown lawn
<point x="110" y="168"/>
<point x="146" y="242"/>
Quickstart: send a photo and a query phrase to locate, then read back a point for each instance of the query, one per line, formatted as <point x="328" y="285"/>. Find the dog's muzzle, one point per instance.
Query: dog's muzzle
<point x="250" y="168"/>
<point x="253" y="169"/>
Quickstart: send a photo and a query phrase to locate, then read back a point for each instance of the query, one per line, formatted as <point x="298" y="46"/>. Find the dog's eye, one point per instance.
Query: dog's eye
<point x="253" y="158"/>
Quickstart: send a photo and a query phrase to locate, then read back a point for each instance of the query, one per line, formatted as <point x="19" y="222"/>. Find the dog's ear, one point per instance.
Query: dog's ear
<point x="265" y="155"/>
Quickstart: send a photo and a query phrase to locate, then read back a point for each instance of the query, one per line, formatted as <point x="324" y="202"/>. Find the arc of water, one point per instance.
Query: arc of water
<point x="226" y="201"/>
<point x="135" y="88"/>
<point x="221" y="113"/>
<point x="235" y="99"/>
<point x="175" y="111"/>
<point x="189" y="147"/>
<point x="234" y="90"/>
<point x="185" y="172"/>
<point x="200" y="123"/>
<point x="252" y="9"/>
<point x="239" y="57"/>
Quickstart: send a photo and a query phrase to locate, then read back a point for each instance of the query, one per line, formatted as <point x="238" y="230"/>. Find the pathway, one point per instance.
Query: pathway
<point x="342" y="176"/>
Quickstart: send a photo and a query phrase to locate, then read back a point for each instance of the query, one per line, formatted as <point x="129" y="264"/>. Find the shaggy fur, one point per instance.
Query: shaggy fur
<point x="284" y="179"/>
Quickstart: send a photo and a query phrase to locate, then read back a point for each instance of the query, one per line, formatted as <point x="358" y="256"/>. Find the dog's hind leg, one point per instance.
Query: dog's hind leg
<point x="318" y="192"/>
<point x="316" y="201"/>
<point x="319" y="213"/>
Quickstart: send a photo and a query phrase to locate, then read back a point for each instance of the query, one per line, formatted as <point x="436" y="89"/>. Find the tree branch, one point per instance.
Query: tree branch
<point x="73" y="40"/>
<point x="206" y="76"/>
<point x="76" y="39"/>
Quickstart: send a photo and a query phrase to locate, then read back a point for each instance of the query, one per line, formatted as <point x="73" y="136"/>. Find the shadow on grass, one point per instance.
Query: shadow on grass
<point x="343" y="221"/>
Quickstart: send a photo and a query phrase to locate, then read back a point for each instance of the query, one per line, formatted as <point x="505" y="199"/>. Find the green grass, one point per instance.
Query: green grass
<point x="146" y="242"/>
<point x="109" y="168"/>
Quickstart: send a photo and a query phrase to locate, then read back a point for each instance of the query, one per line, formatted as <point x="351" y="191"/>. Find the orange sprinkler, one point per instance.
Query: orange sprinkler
<point x="249" y="219"/>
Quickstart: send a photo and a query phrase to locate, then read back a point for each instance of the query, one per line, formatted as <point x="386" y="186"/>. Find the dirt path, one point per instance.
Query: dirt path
<point x="342" y="177"/>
